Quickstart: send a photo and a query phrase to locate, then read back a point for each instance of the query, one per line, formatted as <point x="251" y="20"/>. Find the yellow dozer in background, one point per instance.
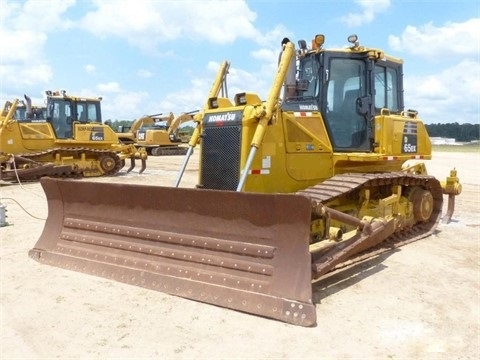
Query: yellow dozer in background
<point x="26" y="111"/>
<point x="66" y="139"/>
<point x="158" y="134"/>
<point x="288" y="191"/>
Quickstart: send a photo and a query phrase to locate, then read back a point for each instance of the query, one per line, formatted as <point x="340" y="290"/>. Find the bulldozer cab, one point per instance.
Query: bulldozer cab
<point x="350" y="88"/>
<point x="63" y="111"/>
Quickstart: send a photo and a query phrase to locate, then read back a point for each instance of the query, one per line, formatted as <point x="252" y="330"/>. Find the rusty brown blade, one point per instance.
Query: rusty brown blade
<point x="243" y="251"/>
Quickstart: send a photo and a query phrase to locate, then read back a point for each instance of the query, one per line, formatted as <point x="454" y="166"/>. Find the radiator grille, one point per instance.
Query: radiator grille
<point x="221" y="157"/>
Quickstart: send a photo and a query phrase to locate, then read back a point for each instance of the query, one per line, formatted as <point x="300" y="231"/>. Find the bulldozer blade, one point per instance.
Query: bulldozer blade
<point x="243" y="251"/>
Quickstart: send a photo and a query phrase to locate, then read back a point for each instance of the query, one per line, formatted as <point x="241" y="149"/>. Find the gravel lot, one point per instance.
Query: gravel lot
<point x="421" y="301"/>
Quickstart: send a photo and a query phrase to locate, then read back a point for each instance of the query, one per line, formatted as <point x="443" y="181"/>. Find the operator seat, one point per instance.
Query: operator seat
<point x="344" y="119"/>
<point x="349" y="101"/>
<point x="82" y="117"/>
<point x="354" y="122"/>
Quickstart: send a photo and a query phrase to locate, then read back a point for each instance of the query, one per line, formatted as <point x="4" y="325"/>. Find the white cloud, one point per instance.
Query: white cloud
<point x="23" y="35"/>
<point x="144" y="73"/>
<point x="33" y="74"/>
<point x="90" y="69"/>
<point x="449" y="91"/>
<point x="193" y="97"/>
<point x="18" y="67"/>
<point x="19" y="45"/>
<point x="43" y="16"/>
<point x="440" y="42"/>
<point x="111" y="87"/>
<point x="454" y="91"/>
<point x="272" y="38"/>
<point x="266" y="55"/>
<point x="431" y="88"/>
<point x="155" y="22"/>
<point x="218" y="23"/>
<point x="126" y="105"/>
<point x="369" y="9"/>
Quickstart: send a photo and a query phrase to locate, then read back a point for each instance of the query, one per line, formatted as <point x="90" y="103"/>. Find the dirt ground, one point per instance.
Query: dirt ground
<point x="419" y="302"/>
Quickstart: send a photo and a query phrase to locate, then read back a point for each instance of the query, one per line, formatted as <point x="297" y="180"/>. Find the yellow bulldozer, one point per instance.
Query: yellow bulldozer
<point x="289" y="189"/>
<point x="26" y="111"/>
<point x="66" y="139"/>
<point x="158" y="133"/>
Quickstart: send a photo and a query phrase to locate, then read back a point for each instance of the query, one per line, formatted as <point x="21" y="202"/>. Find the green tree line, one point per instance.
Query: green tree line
<point x="117" y="125"/>
<point x="459" y="132"/>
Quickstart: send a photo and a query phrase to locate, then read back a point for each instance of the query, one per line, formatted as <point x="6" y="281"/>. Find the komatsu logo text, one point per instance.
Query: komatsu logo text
<point x="222" y="117"/>
<point x="310" y="107"/>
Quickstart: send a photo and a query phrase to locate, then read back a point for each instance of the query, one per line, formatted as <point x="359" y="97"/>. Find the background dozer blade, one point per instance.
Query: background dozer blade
<point x="242" y="251"/>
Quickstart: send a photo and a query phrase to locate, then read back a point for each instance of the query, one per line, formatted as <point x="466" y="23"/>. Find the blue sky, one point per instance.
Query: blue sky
<point x="147" y="57"/>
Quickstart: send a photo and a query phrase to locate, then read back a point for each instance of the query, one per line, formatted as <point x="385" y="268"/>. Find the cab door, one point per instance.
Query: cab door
<point x="346" y="102"/>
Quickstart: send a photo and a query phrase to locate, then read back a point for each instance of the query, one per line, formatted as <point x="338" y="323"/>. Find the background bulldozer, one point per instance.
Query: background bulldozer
<point x="26" y="111"/>
<point x="288" y="191"/>
<point x="66" y="139"/>
<point x="157" y="134"/>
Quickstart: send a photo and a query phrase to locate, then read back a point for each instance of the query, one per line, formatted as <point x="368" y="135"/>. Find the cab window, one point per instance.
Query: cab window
<point x="386" y="93"/>
<point x="88" y="112"/>
<point x="308" y="77"/>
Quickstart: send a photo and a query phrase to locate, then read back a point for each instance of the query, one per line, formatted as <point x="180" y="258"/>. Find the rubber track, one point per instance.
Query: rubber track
<point x="342" y="185"/>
